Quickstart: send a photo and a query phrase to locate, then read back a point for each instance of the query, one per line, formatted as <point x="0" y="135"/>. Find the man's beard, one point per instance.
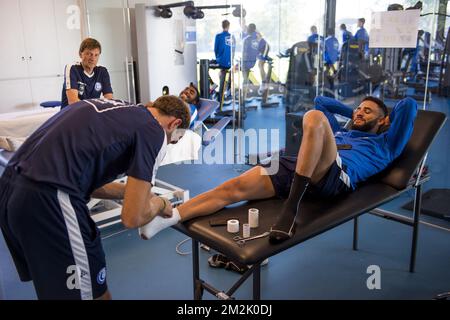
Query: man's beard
<point x="366" y="127"/>
<point x="186" y="99"/>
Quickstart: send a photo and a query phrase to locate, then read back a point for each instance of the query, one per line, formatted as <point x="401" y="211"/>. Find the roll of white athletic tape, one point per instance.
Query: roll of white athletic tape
<point x="253" y="218"/>
<point x="245" y="230"/>
<point x="233" y="226"/>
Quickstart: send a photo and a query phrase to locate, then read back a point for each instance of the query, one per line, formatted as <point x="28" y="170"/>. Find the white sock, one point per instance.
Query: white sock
<point x="157" y="224"/>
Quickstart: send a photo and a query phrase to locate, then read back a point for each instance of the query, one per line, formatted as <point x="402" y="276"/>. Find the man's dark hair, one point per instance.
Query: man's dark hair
<point x="197" y="96"/>
<point x="330" y="32"/>
<point x="90" y="44"/>
<point x="251" y="28"/>
<point x="379" y="103"/>
<point x="225" y="24"/>
<point x="362" y="20"/>
<point x="343" y="26"/>
<point x="174" y="106"/>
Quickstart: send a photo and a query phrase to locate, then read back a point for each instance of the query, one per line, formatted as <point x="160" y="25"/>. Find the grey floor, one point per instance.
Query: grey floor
<point x="324" y="267"/>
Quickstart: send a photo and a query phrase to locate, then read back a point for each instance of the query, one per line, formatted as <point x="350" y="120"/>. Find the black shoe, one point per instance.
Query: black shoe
<point x="220" y="261"/>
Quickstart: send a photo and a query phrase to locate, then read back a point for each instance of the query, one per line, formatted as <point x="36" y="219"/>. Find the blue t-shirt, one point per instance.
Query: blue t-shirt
<point x="346" y="35"/>
<point x="88" y="86"/>
<point x="250" y="51"/>
<point x="314" y="38"/>
<point x="91" y="143"/>
<point x="362" y="35"/>
<point x="370" y="152"/>
<point x="224" y="48"/>
<point x="331" y="52"/>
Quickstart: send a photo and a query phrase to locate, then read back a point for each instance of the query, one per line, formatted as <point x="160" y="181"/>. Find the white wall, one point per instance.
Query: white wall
<point x="156" y="41"/>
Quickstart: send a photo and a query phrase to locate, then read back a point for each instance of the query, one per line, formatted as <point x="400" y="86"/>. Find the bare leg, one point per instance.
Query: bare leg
<point x="262" y="72"/>
<point x="318" y="149"/>
<point x="246" y="83"/>
<point x="317" y="153"/>
<point x="223" y="74"/>
<point x="250" y="185"/>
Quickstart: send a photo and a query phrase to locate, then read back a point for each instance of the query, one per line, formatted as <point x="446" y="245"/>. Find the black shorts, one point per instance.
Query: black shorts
<point x="52" y="239"/>
<point x="333" y="183"/>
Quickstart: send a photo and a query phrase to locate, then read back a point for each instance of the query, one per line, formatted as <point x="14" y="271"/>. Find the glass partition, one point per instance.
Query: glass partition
<point x="109" y="23"/>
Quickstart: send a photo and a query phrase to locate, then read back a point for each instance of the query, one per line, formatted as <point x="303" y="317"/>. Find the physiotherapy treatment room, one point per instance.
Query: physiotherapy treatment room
<point x="251" y="112"/>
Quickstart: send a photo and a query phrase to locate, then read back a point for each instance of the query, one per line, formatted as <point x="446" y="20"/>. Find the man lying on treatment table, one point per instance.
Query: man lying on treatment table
<point x="331" y="161"/>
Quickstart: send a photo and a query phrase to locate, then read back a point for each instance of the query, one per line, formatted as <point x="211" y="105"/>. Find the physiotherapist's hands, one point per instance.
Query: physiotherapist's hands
<point x="166" y="211"/>
<point x="161" y="206"/>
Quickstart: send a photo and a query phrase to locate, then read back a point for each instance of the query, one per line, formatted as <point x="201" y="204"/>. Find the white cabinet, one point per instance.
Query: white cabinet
<point x="16" y="95"/>
<point x="41" y="40"/>
<point x="13" y="62"/>
<point x="38" y="43"/>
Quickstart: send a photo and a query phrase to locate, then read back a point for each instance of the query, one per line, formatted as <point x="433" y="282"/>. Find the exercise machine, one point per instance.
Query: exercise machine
<point x="301" y="77"/>
<point x="353" y="73"/>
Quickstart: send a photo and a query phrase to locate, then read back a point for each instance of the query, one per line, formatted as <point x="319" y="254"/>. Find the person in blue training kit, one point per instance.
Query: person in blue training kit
<point x="191" y="96"/>
<point x="331" y="52"/>
<point x="224" y="44"/>
<point x="331" y="161"/>
<point x="250" y="51"/>
<point x="75" y="155"/>
<point x="362" y="36"/>
<point x="346" y="35"/>
<point x="86" y="80"/>
<point x="314" y="40"/>
<point x="262" y="57"/>
<point x="314" y="36"/>
<point x="413" y="57"/>
<point x="330" y="57"/>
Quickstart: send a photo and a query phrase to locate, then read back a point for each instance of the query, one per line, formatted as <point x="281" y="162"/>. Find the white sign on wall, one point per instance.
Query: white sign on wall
<point x="394" y="29"/>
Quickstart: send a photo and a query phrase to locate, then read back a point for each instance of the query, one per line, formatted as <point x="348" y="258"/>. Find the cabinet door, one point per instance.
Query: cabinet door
<point x="68" y="27"/>
<point x="41" y="39"/>
<point x="16" y="96"/>
<point x="13" y="62"/>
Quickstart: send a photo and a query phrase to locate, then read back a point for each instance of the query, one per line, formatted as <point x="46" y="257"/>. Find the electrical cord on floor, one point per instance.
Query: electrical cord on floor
<point x="177" y="248"/>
